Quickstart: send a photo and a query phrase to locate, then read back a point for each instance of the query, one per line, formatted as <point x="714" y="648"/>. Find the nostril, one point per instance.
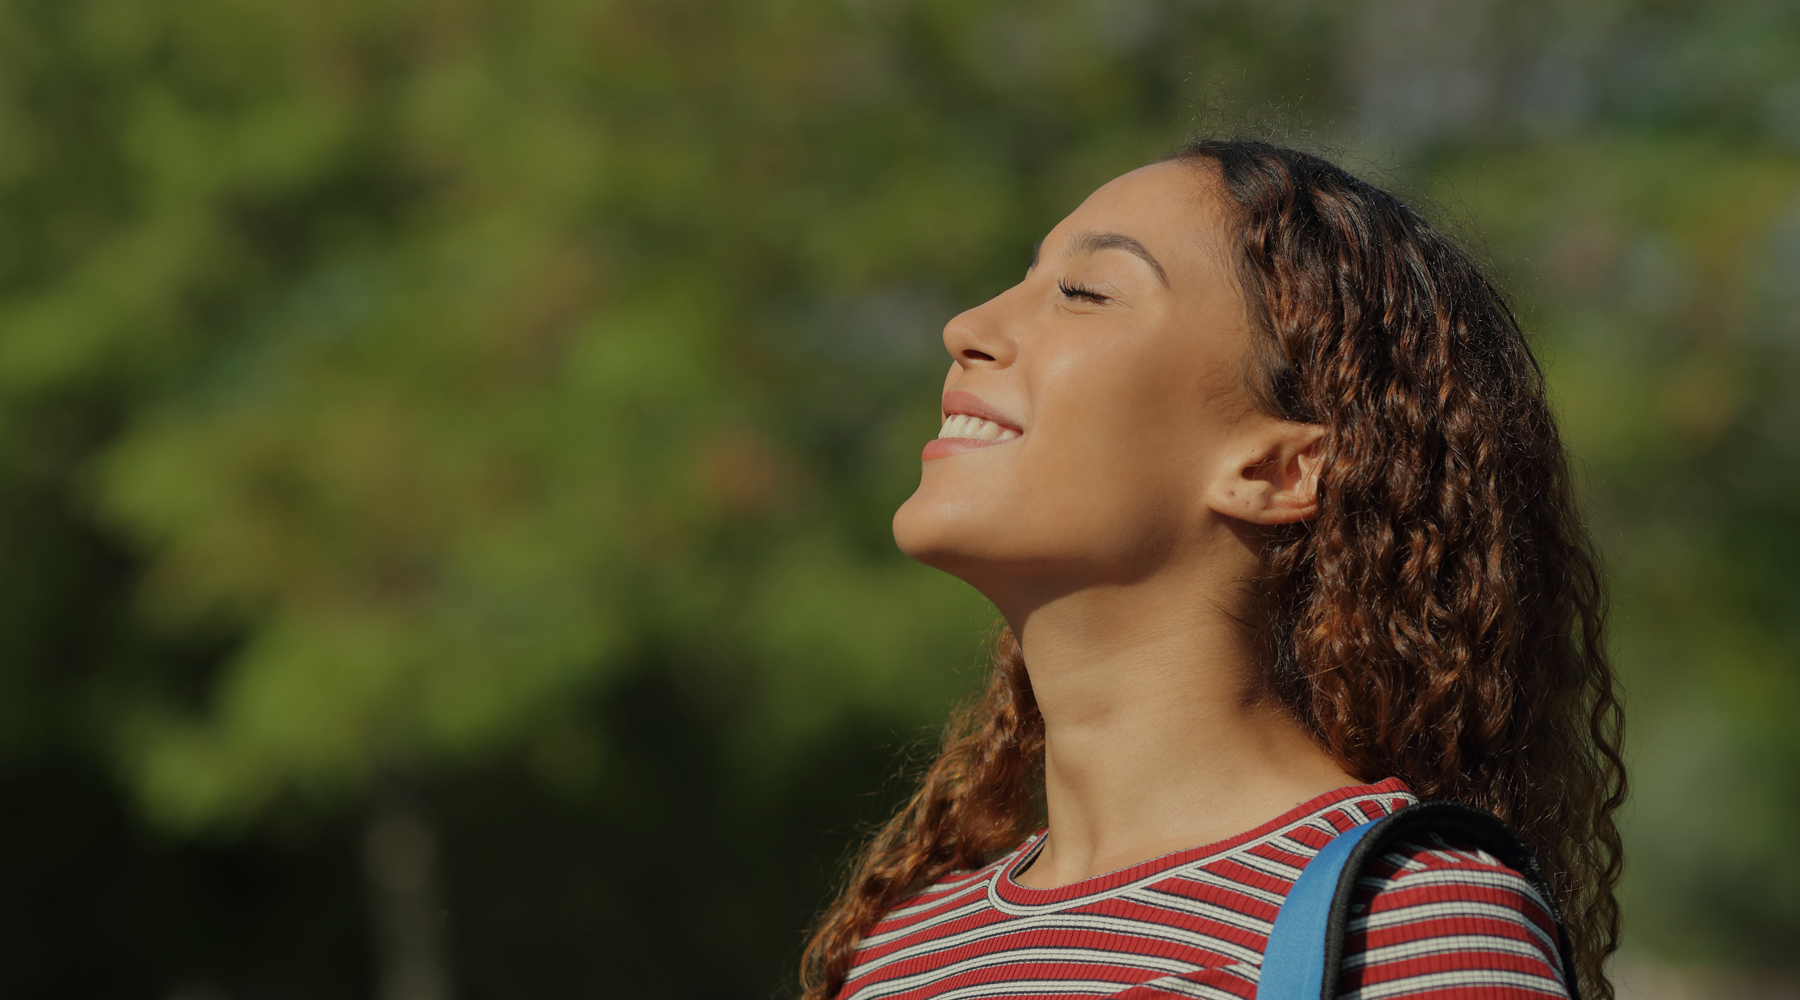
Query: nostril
<point x="974" y="355"/>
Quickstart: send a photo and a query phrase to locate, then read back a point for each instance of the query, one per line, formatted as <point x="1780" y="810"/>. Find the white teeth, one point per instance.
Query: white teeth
<point x="961" y="425"/>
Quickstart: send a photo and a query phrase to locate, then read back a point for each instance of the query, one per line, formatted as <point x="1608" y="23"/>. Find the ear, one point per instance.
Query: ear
<point x="1271" y="474"/>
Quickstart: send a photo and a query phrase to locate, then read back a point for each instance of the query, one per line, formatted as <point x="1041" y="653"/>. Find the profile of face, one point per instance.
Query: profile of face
<point x="1098" y="428"/>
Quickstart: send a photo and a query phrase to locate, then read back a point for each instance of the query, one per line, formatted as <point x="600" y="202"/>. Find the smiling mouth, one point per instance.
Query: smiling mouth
<point x="962" y="426"/>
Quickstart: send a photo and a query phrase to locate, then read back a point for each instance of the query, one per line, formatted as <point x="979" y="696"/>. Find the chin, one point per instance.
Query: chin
<point x="920" y="531"/>
<point x="950" y="537"/>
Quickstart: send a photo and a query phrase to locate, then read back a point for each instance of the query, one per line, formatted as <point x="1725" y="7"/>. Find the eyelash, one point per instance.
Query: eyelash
<point x="1079" y="292"/>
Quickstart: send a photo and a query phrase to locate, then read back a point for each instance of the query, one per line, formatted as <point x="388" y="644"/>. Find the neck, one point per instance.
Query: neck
<point x="1158" y="737"/>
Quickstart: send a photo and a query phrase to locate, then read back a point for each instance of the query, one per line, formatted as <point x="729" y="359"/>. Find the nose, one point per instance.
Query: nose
<point x="981" y="337"/>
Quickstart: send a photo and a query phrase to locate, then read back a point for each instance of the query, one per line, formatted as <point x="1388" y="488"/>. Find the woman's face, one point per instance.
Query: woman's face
<point x="1095" y="412"/>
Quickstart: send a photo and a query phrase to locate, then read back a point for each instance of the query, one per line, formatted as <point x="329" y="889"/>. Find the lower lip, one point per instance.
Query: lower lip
<point x="945" y="447"/>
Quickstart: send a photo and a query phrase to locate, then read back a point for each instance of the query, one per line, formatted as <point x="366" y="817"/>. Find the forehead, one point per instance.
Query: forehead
<point x="1174" y="209"/>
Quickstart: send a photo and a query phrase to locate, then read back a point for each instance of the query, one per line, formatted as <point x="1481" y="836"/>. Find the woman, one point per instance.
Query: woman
<point x="1259" y="471"/>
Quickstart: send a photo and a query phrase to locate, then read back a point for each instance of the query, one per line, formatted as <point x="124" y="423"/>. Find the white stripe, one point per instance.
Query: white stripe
<point x="967" y="909"/>
<point x="1491" y="943"/>
<point x="1068" y="921"/>
<point x="1501" y="879"/>
<point x="1441" y="847"/>
<point x="1163" y="899"/>
<point x="936" y="896"/>
<point x="1404" y="860"/>
<point x="1294" y="845"/>
<point x="1021" y="987"/>
<point x="1473" y="978"/>
<point x="1082" y="956"/>
<point x="1245" y="971"/>
<point x="912" y="909"/>
<point x="1270" y="866"/>
<point x="1422" y="912"/>
<point x="1205" y="877"/>
<point x="1190" y="988"/>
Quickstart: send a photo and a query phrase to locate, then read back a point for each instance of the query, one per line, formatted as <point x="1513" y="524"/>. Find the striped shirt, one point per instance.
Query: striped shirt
<point x="1429" y="919"/>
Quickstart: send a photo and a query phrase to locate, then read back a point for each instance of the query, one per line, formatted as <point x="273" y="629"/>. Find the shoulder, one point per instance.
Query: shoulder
<point x="1436" y="918"/>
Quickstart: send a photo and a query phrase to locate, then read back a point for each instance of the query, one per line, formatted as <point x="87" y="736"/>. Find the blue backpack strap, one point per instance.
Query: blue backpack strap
<point x="1306" y="945"/>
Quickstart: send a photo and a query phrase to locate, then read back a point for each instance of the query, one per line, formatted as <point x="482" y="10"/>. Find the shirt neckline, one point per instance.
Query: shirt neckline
<point x="1010" y="896"/>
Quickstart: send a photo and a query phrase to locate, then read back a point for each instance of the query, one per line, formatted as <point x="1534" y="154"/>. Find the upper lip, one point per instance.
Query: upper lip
<point x="969" y="404"/>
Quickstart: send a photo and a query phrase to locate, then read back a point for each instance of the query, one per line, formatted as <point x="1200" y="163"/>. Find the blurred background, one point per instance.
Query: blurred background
<point x="447" y="448"/>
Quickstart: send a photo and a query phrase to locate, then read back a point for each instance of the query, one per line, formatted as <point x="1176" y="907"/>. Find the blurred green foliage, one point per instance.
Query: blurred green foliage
<point x="514" y="395"/>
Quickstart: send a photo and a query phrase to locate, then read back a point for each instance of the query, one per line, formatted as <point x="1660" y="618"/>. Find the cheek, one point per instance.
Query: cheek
<point x="1126" y="434"/>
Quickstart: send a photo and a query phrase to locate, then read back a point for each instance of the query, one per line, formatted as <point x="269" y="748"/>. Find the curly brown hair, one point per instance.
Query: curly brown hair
<point x="1441" y="620"/>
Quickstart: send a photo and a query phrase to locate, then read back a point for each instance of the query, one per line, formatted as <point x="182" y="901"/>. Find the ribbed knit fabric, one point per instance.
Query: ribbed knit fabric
<point x="1428" y="920"/>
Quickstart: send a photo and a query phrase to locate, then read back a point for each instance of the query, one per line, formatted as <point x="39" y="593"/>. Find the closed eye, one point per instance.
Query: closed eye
<point x="1081" y="292"/>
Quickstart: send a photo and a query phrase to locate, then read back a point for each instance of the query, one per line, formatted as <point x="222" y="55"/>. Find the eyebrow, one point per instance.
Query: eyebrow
<point x="1094" y="242"/>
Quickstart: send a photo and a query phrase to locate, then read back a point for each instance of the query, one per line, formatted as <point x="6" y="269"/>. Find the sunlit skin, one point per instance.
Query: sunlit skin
<point x="1115" y="531"/>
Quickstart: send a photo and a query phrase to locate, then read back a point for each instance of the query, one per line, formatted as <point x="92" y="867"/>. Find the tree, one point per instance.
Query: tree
<point x="427" y="374"/>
